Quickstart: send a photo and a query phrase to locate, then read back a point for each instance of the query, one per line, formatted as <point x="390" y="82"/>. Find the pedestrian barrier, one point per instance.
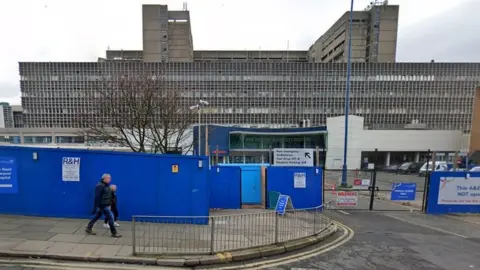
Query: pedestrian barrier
<point x="157" y="235"/>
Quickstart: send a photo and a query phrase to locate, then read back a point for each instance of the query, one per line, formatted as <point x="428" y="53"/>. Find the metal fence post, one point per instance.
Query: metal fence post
<point x="314" y="220"/>
<point x="212" y="236"/>
<point x="276" y="227"/>
<point x="133" y="236"/>
<point x="374" y="181"/>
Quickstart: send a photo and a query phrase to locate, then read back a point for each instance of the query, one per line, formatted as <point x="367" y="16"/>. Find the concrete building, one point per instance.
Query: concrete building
<point x="6" y="115"/>
<point x="374" y="36"/>
<point x="167" y="35"/>
<point x="402" y="109"/>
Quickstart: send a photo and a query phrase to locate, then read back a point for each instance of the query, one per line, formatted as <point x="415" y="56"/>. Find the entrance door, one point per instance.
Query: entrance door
<point x="251" y="185"/>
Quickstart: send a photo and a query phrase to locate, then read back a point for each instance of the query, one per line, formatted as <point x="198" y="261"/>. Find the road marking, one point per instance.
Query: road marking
<point x="344" y="212"/>
<point x="466" y="220"/>
<point x="429" y="227"/>
<point x="346" y="236"/>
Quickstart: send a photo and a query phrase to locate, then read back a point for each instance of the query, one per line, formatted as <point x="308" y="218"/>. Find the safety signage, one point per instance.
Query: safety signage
<point x="403" y="191"/>
<point x="347" y="198"/>
<point x="297" y="157"/>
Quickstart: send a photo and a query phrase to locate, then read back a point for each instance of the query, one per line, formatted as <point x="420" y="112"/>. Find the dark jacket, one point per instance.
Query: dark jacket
<point x="103" y="195"/>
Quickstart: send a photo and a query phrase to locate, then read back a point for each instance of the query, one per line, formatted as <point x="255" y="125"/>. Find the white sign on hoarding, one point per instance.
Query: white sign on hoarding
<point x="71" y="169"/>
<point x="299" y="180"/>
<point x="459" y="191"/>
<point x="298" y="157"/>
<point x="347" y="198"/>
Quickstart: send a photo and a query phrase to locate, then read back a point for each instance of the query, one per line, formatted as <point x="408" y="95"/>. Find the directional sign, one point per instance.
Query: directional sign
<point x="403" y="191"/>
<point x="298" y="157"/>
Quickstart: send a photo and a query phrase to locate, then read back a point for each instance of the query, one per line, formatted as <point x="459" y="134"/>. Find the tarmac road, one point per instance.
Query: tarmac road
<point x="400" y="240"/>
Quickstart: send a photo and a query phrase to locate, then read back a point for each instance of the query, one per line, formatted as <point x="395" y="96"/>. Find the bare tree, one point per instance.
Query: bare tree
<point x="139" y="110"/>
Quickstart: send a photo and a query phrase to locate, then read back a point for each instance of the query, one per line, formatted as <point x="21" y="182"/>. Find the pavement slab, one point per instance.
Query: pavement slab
<point x="61" y="248"/>
<point x="33" y="245"/>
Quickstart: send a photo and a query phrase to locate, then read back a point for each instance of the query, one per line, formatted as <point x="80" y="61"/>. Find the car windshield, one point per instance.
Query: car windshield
<point x="405" y="165"/>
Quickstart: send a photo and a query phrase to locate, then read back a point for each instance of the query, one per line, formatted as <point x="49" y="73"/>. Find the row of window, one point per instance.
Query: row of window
<point x="242" y="141"/>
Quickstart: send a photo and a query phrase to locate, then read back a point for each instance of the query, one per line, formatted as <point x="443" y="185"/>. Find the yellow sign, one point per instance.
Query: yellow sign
<point x="174" y="168"/>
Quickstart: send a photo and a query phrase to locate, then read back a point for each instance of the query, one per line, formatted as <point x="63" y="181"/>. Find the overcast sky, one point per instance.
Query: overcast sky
<point x="65" y="30"/>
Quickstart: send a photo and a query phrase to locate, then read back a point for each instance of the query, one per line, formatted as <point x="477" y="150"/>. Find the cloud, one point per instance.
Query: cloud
<point x="446" y="37"/>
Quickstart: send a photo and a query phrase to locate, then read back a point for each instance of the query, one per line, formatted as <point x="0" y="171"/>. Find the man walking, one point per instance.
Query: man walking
<point x="102" y="205"/>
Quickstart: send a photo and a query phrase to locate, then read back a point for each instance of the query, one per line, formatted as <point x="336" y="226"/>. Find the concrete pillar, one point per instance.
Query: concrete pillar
<point x="417" y="157"/>
<point x="387" y="159"/>
<point x="22" y="140"/>
<point x="54" y="137"/>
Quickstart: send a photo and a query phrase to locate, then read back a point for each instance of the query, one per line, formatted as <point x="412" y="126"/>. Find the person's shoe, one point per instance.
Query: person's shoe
<point x="106" y="226"/>
<point x="90" y="231"/>
<point x="116" y="224"/>
<point x="116" y="235"/>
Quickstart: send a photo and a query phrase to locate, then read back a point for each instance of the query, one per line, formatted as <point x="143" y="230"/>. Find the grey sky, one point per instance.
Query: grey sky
<point x="65" y="30"/>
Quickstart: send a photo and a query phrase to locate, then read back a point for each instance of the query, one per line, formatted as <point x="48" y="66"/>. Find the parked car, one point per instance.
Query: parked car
<point x="393" y="168"/>
<point x="439" y="166"/>
<point x="475" y="169"/>
<point x="409" y="168"/>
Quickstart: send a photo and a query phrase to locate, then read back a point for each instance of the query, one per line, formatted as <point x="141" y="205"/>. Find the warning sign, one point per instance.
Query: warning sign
<point x="347" y="198"/>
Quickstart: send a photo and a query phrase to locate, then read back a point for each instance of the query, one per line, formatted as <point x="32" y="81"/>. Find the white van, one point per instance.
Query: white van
<point x="440" y="166"/>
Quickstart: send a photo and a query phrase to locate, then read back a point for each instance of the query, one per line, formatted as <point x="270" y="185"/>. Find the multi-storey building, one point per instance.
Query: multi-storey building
<point x="6" y="115"/>
<point x="374" y="36"/>
<point x="388" y="96"/>
<point x="396" y="104"/>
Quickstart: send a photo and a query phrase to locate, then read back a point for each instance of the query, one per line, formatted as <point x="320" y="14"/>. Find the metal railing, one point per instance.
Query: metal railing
<point x="156" y="235"/>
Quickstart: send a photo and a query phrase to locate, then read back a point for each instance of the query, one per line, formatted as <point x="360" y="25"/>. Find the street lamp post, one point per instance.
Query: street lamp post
<point x="347" y="96"/>
<point x="198" y="106"/>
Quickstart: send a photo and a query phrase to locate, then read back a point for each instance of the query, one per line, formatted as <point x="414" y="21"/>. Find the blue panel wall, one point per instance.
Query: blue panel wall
<point x="280" y="179"/>
<point x="146" y="183"/>
<point x="436" y="183"/>
<point x="225" y="187"/>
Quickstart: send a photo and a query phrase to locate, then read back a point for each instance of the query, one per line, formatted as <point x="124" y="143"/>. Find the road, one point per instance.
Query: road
<point x="399" y="240"/>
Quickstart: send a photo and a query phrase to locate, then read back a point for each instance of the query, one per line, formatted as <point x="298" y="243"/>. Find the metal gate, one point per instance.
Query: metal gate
<point x="374" y="190"/>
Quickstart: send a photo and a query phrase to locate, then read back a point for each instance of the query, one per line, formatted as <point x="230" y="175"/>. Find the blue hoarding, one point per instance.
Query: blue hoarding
<point x="8" y="175"/>
<point x="403" y="191"/>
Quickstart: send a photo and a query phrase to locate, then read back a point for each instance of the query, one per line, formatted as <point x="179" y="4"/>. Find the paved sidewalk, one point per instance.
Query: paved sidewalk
<point x="62" y="236"/>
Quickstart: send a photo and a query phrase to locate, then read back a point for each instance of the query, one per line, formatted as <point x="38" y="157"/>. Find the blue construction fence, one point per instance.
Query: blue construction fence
<point x="60" y="182"/>
<point x="453" y="192"/>
<point x="234" y="185"/>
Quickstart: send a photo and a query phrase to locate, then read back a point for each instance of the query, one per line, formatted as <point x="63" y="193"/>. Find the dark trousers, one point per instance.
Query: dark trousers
<point x="114" y="212"/>
<point x="108" y="215"/>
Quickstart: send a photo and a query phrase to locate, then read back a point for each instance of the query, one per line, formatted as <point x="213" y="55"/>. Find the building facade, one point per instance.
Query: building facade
<point x="436" y="96"/>
<point x="6" y="115"/>
<point x="374" y="36"/>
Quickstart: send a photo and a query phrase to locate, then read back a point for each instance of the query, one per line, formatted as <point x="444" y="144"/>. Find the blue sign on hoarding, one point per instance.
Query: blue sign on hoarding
<point x="8" y="175"/>
<point x="403" y="191"/>
<point x="282" y="203"/>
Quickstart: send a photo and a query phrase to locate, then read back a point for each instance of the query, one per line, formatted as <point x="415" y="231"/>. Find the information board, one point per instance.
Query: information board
<point x="299" y="180"/>
<point x="8" y="175"/>
<point x="283" y="203"/>
<point x="459" y="191"/>
<point x="403" y="191"/>
<point x="71" y="169"/>
<point x="347" y="198"/>
<point x="298" y="157"/>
